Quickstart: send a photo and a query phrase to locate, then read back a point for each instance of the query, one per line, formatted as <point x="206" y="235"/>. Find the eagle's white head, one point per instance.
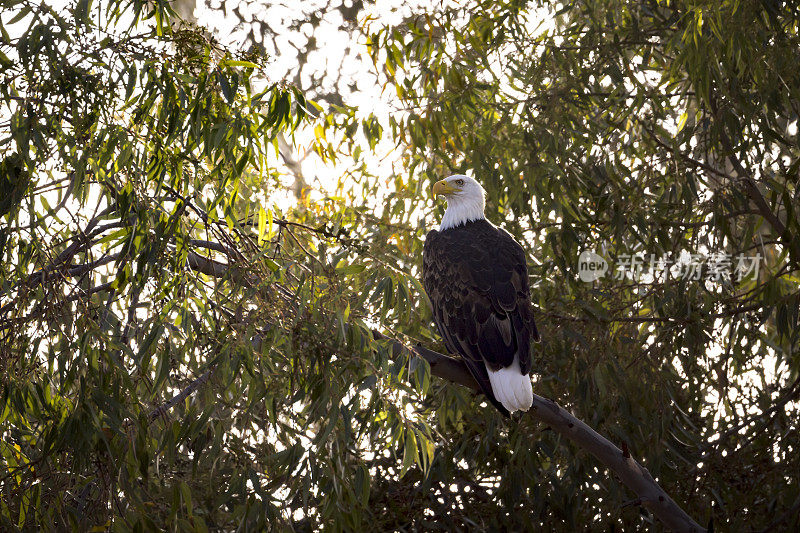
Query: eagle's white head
<point x="465" y="200"/>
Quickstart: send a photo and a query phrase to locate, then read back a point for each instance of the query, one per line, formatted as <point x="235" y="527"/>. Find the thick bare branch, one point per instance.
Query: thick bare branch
<point x="631" y="472"/>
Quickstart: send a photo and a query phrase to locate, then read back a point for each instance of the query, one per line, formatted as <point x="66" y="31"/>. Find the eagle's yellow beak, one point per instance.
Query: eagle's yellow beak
<point x="443" y="188"/>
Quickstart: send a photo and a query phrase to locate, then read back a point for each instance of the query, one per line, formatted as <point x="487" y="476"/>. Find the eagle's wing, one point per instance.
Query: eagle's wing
<point x="476" y="279"/>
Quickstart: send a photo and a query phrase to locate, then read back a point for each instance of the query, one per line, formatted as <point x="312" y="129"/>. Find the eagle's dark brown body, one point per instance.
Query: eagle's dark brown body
<point x="476" y="278"/>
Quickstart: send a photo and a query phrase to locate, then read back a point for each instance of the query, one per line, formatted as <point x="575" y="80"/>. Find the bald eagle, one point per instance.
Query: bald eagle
<point x="477" y="281"/>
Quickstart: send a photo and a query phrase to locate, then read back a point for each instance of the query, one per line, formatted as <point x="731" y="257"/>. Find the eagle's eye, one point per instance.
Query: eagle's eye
<point x="460" y="183"/>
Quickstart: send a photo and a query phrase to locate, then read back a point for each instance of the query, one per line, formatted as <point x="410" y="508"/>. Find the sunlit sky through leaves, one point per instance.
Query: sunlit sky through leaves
<point x="339" y="66"/>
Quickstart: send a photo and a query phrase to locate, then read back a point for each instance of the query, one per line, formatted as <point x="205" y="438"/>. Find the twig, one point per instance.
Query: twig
<point x="164" y="408"/>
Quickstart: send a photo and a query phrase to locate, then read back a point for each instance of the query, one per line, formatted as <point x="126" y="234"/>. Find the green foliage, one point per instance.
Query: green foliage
<point x="648" y="128"/>
<point x="143" y="253"/>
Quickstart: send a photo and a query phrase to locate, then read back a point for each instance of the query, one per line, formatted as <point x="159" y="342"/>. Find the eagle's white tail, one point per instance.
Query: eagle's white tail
<point x="511" y="387"/>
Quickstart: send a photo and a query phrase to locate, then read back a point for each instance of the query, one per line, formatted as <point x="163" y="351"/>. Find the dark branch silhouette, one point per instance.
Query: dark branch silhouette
<point x="632" y="474"/>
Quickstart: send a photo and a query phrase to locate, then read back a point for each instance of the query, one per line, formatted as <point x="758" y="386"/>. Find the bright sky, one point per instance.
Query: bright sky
<point x="340" y="64"/>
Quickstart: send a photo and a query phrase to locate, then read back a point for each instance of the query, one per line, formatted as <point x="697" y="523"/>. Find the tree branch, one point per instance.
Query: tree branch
<point x="631" y="473"/>
<point x="206" y="266"/>
<point x="751" y="189"/>
<point x="165" y="407"/>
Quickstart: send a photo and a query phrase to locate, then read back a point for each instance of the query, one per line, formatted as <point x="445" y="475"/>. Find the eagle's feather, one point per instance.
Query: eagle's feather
<point x="476" y="278"/>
